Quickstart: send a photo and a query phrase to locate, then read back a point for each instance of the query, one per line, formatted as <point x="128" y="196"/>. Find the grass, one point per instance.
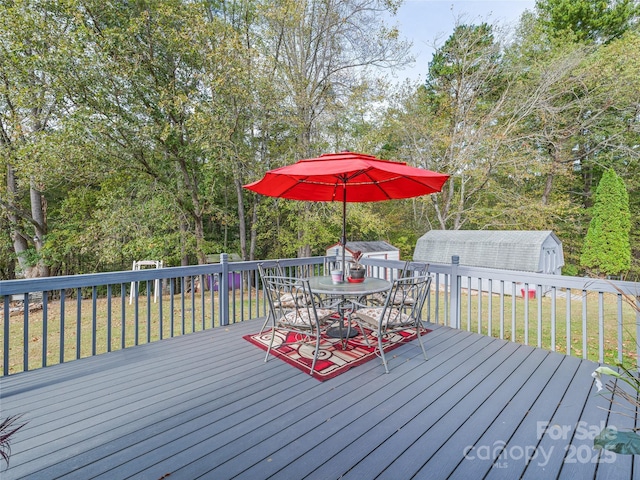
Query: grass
<point x="530" y="312"/>
<point x="188" y="318"/>
<point x="79" y="341"/>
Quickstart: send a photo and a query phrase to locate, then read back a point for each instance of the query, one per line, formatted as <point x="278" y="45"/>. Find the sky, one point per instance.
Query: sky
<point x="425" y="22"/>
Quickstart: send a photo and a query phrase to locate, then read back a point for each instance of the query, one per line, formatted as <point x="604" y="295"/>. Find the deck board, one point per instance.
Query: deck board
<point x="206" y="405"/>
<point x="504" y="425"/>
<point x="480" y="423"/>
<point x="526" y="434"/>
<point x="439" y="399"/>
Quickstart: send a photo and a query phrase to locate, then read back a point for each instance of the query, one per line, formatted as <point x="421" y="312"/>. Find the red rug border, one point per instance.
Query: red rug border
<point x="341" y="370"/>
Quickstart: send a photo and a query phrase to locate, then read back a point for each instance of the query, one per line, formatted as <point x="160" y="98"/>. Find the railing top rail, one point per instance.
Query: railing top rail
<point x="21" y="286"/>
<point x="558" y="281"/>
<point x="13" y="287"/>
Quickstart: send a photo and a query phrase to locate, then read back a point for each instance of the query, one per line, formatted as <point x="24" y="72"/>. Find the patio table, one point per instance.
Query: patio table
<point x="349" y="296"/>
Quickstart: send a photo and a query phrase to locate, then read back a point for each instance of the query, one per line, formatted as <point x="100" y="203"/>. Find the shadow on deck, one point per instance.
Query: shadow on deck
<point x="206" y="405"/>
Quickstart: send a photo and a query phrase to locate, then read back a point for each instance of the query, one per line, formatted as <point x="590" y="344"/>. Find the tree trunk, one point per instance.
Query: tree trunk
<point x="254" y="233"/>
<point x="38" y="213"/>
<point x="241" y="220"/>
<point x="190" y="183"/>
<point x="21" y="240"/>
<point x="184" y="231"/>
<point x="548" y="186"/>
<point x="304" y="250"/>
<point x="20" y="244"/>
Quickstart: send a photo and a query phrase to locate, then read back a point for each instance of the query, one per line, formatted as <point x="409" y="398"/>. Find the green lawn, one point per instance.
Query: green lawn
<point x="182" y="324"/>
<point x="547" y="319"/>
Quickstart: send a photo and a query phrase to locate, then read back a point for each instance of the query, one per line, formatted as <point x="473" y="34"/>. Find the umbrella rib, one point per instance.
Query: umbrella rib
<point x="381" y="182"/>
<point x="364" y="177"/>
<point x="377" y="184"/>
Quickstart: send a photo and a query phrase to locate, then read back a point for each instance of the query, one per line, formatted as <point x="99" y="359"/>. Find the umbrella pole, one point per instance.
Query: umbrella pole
<point x="344" y="230"/>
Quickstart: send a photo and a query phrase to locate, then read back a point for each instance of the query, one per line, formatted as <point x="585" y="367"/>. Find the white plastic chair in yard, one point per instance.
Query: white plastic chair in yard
<point x="156" y="284"/>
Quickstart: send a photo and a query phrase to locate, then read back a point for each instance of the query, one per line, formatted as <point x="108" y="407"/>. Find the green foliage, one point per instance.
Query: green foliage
<point x="625" y="391"/>
<point x="587" y="20"/>
<point x="462" y="54"/>
<point x="107" y="227"/>
<point x="139" y="122"/>
<point x="625" y="443"/>
<point x="8" y="429"/>
<point x="606" y="247"/>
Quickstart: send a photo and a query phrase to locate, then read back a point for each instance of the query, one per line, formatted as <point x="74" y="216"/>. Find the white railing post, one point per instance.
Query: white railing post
<point x="456" y="290"/>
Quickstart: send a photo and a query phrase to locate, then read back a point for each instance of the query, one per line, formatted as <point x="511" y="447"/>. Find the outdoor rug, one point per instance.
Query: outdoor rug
<point x="332" y="359"/>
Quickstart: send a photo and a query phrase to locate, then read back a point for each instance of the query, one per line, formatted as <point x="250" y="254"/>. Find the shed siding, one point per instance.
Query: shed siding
<point x="530" y="251"/>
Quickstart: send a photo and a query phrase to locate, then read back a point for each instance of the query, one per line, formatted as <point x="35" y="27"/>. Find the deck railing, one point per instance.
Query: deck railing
<point x="590" y="318"/>
<point x="54" y="320"/>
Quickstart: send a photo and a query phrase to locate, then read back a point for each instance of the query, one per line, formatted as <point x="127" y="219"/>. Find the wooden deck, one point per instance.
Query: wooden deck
<point x="207" y="406"/>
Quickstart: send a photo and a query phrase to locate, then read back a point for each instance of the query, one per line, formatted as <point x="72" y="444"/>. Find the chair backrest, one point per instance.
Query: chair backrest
<point x="270" y="267"/>
<point x="408" y="294"/>
<point x="299" y="271"/>
<point x="290" y="298"/>
<point x="412" y="269"/>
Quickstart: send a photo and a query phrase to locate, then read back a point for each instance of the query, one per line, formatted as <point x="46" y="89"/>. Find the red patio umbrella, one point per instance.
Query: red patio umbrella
<point x="348" y="177"/>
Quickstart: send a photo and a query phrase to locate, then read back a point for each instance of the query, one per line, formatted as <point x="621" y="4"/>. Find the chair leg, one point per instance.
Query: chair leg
<point x="273" y="336"/>
<point x="418" y="328"/>
<point x="315" y="353"/>
<point x="384" y="359"/>
<point x="264" y="325"/>
<point x="362" y="331"/>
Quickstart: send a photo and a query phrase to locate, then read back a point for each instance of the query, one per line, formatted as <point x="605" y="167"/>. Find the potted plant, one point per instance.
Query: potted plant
<point x="8" y="430"/>
<point x="356" y="270"/>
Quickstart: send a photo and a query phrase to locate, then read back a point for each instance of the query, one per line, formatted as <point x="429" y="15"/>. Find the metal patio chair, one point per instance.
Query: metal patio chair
<point x="397" y="313"/>
<point x="410" y="269"/>
<point x="294" y="316"/>
<point x="408" y="296"/>
<point x="269" y="268"/>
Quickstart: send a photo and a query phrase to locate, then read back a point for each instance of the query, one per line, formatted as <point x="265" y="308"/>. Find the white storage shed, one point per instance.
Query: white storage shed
<point x="377" y="249"/>
<point x="525" y="251"/>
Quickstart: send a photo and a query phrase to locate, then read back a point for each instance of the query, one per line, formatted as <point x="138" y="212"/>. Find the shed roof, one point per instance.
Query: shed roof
<point x="504" y="249"/>
<point x="368" y="247"/>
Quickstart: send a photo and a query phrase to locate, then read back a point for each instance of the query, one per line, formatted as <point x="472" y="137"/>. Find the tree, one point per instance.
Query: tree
<point x="576" y="126"/>
<point x="456" y="123"/>
<point x="587" y="20"/>
<point x="29" y="110"/>
<point x="606" y="248"/>
<point x="150" y="83"/>
<point x="322" y="51"/>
